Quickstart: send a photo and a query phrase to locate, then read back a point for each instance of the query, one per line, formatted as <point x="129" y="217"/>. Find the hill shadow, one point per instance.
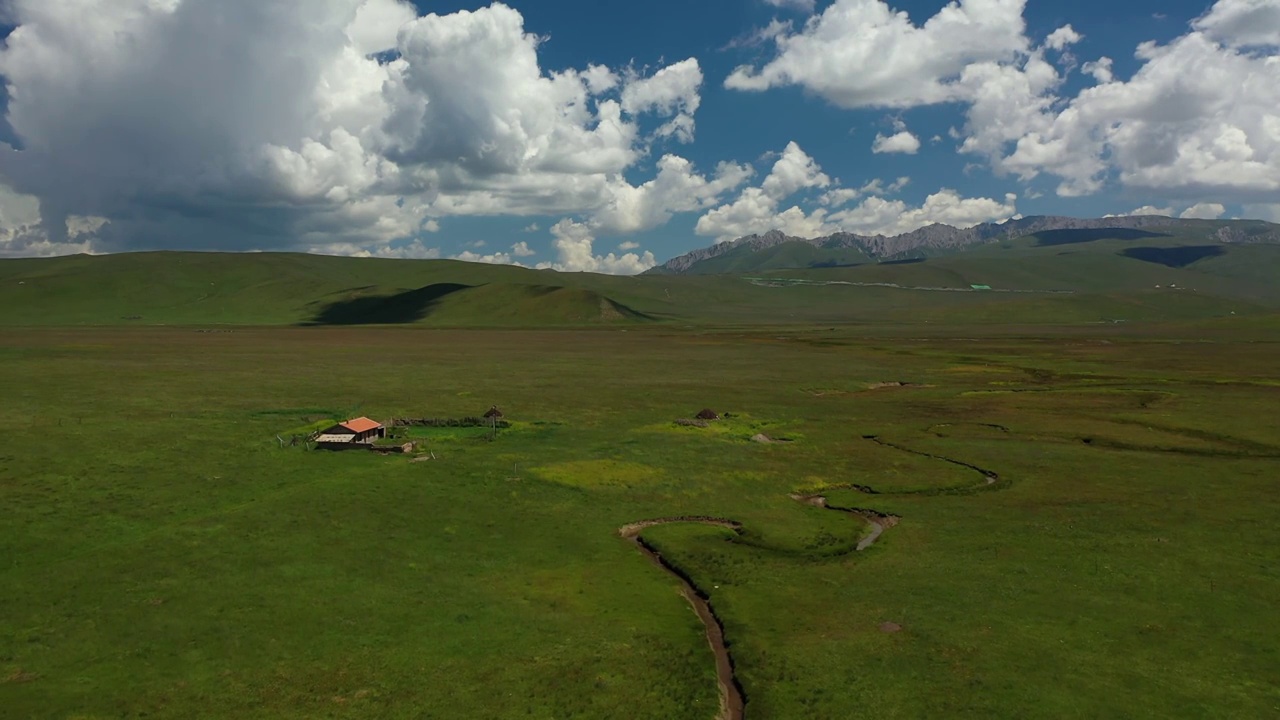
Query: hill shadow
<point x="398" y="309"/>
<point x="1174" y="257"/>
<point x="1052" y="238"/>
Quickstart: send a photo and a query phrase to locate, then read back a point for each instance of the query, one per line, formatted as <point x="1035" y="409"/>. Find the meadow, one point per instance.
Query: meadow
<point x="165" y="558"/>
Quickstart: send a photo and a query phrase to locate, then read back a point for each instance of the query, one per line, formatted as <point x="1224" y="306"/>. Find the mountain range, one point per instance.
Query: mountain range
<point x="1040" y="270"/>
<point x="762" y="251"/>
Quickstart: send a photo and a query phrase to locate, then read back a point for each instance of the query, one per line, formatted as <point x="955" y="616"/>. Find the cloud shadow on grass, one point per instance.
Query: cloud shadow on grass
<point x="401" y="308"/>
<point x="1052" y="238"/>
<point x="1174" y="257"/>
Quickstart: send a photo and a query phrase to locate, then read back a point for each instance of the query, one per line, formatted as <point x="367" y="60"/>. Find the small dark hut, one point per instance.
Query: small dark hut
<point x="708" y="414"/>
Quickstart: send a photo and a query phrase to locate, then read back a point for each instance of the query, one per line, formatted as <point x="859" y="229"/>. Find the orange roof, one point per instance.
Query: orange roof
<point x="361" y="424"/>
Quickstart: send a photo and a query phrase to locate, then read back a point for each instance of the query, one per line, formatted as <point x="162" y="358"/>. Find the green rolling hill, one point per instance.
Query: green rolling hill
<point x="1086" y="276"/>
<point x="289" y="289"/>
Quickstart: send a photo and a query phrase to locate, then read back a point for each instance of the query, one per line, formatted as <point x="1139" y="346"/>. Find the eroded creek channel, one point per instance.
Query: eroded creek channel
<point x="733" y="699"/>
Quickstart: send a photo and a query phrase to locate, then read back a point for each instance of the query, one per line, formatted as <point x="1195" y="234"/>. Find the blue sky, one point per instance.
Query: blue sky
<point x="610" y="136"/>
<point x="747" y="126"/>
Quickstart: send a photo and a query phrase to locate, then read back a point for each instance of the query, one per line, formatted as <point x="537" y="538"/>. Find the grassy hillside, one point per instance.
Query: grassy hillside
<point x="786" y="255"/>
<point x="276" y="288"/>
<point x="1080" y="260"/>
<point x="1085" y="264"/>
<point x="1054" y="279"/>
<point x="488" y="304"/>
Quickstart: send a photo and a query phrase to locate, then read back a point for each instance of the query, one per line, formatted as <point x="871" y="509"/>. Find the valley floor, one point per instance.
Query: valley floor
<point x="1076" y="522"/>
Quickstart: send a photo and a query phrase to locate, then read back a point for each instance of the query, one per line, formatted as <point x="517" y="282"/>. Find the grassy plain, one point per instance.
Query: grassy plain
<point x="163" y="557"/>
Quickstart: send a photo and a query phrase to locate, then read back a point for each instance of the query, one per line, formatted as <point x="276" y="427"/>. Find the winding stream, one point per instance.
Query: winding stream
<point x="733" y="699"/>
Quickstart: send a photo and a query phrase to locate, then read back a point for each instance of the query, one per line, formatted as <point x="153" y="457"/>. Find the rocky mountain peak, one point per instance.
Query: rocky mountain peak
<point x="945" y="237"/>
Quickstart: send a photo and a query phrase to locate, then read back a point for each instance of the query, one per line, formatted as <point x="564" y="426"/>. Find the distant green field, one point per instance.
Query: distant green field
<point x="165" y="558"/>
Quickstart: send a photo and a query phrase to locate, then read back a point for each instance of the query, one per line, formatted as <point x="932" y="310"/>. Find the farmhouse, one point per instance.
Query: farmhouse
<point x="358" y="431"/>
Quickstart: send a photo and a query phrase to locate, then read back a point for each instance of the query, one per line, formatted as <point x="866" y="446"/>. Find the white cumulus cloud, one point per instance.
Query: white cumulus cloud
<point x="1204" y="211"/>
<point x="1063" y="37"/>
<point x="1199" y="211"/>
<point x="376" y="24"/>
<point x="862" y="53"/>
<point x="414" y="250"/>
<point x="793" y="171"/>
<point x="878" y="216"/>
<point x="243" y="124"/>
<point x="769" y="206"/>
<point x="842" y="196"/>
<point x="672" y="92"/>
<point x="574" y="243"/>
<point x="756" y="208"/>
<point x="499" y="258"/>
<point x="677" y="187"/>
<point x="1198" y="118"/>
<point x="1149" y="210"/>
<point x="801" y="5"/>
<point x="1100" y="69"/>
<point x="1242" y="22"/>
<point x="901" y="142"/>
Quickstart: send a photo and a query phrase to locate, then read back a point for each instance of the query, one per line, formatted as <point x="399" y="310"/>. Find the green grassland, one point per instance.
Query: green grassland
<point x="165" y="558"/>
